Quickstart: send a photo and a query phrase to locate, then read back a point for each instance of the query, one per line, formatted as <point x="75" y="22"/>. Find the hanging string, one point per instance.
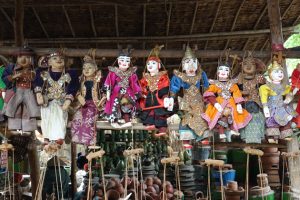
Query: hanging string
<point x="90" y="177"/>
<point x="126" y="176"/>
<point x="261" y="173"/>
<point x="164" y="182"/>
<point x="103" y="179"/>
<point x="221" y="179"/>
<point x="208" y="180"/>
<point x="59" y="171"/>
<point x="247" y="178"/>
<point x="57" y="191"/>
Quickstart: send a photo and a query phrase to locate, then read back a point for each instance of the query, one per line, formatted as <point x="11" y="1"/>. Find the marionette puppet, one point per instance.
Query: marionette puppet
<point x="224" y="110"/>
<point x="275" y="97"/>
<point x="296" y="86"/>
<point x="122" y="91"/>
<point x="155" y="104"/>
<point x="91" y="102"/>
<point x="55" y="90"/>
<point x="193" y="81"/>
<point x="249" y="81"/>
<point x="20" y="105"/>
<point x="2" y="92"/>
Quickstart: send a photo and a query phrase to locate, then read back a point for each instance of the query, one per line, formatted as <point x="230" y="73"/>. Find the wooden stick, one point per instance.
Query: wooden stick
<point x="131" y="152"/>
<point x="97" y="154"/>
<point x="291" y="154"/>
<point x="218" y="163"/>
<point x="253" y="151"/>
<point x="173" y="159"/>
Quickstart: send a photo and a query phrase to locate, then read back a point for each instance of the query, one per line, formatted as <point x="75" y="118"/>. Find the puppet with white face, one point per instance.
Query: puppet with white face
<point x="224" y="110"/>
<point x="55" y="90"/>
<point x="21" y="107"/>
<point x="122" y="90"/>
<point x="155" y="104"/>
<point x="193" y="81"/>
<point x="91" y="102"/>
<point x="275" y="98"/>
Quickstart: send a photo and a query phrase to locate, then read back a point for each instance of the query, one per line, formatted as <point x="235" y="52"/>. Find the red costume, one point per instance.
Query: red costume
<point x="296" y="84"/>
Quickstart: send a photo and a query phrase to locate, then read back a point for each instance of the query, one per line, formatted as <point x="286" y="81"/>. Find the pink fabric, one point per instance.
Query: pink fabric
<point x="239" y="99"/>
<point x="206" y="96"/>
<point x="111" y="82"/>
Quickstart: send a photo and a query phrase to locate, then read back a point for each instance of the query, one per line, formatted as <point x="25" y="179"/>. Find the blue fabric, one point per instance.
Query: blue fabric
<point x="177" y="83"/>
<point x="8" y="71"/>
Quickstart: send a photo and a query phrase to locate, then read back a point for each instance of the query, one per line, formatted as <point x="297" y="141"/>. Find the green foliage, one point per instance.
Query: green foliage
<point x="292" y="41"/>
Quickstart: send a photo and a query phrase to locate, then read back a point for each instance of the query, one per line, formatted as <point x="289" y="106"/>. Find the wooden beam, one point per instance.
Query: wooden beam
<point x="234" y="22"/>
<point x="287" y="9"/>
<point x="256" y="24"/>
<point x="19" y="22"/>
<point x="213" y="24"/>
<point x="200" y="37"/>
<point x="116" y="21"/>
<point x="243" y="145"/>
<point x="169" y="19"/>
<point x="6" y="16"/>
<point x="69" y="21"/>
<point x="194" y="17"/>
<point x="40" y="22"/>
<point x="139" y="53"/>
<point x="144" y="23"/>
<point x="92" y="21"/>
<point x="296" y="21"/>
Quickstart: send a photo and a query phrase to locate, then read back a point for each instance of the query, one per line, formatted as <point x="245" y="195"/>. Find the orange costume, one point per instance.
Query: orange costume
<point x="227" y="94"/>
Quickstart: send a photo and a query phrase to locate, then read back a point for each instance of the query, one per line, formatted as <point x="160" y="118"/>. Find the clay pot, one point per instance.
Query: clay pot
<point x="232" y="185"/>
<point x="200" y="196"/>
<point x="120" y="189"/>
<point x="128" y="181"/>
<point x="113" y="195"/>
<point x="169" y="189"/>
<point x="149" y="181"/>
<point x="151" y="189"/>
<point x="270" y="150"/>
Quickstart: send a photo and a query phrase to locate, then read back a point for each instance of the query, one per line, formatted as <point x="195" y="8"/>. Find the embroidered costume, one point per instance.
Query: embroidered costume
<point x="21" y="107"/>
<point x="228" y="95"/>
<point x="56" y="87"/>
<point x="2" y="89"/>
<point x="83" y="127"/>
<point x="249" y="83"/>
<point x="296" y="85"/>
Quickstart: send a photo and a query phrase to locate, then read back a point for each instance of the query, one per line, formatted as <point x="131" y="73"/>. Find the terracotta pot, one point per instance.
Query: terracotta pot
<point x="232" y="185"/>
<point x="270" y="150"/>
<point x="113" y="195"/>
<point x="272" y="159"/>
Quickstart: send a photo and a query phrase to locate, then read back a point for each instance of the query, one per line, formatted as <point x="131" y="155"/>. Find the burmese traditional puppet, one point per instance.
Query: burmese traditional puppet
<point x="193" y="81"/>
<point x="2" y="92"/>
<point x="275" y="98"/>
<point x="89" y="96"/>
<point x="122" y="91"/>
<point x="21" y="107"/>
<point x="55" y="90"/>
<point x="224" y="110"/>
<point x="155" y="104"/>
<point x="296" y="86"/>
<point x="249" y="81"/>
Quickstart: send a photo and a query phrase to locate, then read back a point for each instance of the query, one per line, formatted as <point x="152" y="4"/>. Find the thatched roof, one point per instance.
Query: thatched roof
<point x="99" y="24"/>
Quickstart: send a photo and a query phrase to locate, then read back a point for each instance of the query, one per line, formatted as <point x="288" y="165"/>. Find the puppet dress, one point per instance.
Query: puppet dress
<point x="154" y="90"/>
<point x="227" y="94"/>
<point x="83" y="125"/>
<point x="278" y="123"/>
<point x="56" y="87"/>
<point x="20" y="107"/>
<point x="296" y="84"/>
<point x="192" y="124"/>
<point x="254" y="132"/>
<point x="125" y="90"/>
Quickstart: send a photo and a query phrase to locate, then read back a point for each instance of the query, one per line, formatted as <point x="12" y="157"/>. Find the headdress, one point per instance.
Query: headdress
<point x="189" y="54"/>
<point x="24" y="51"/>
<point x="275" y="66"/>
<point x="154" y="54"/>
<point x="90" y="60"/>
<point x="125" y="52"/>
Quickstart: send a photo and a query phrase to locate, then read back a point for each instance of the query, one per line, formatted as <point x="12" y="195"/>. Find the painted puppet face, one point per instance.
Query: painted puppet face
<point x="277" y="75"/>
<point x="57" y="62"/>
<point x="190" y="66"/>
<point x="153" y="66"/>
<point x="223" y="72"/>
<point x="89" y="69"/>
<point x="249" y="69"/>
<point x="24" y="60"/>
<point x="124" y="62"/>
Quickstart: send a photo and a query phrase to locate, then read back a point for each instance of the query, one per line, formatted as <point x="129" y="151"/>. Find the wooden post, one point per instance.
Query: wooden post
<point x="73" y="169"/>
<point x="34" y="168"/>
<point x="18" y="23"/>
<point x="277" y="39"/>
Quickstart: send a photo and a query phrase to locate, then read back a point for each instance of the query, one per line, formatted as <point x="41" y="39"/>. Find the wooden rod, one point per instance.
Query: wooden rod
<point x="139" y="53"/>
<point x="19" y="22"/>
<point x="34" y="164"/>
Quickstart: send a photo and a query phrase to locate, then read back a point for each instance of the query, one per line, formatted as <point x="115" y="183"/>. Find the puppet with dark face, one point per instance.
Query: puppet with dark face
<point x="21" y="107"/>
<point x="249" y="81"/>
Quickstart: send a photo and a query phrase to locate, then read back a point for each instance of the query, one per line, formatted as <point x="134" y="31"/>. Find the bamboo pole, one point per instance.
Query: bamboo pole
<point x="18" y="23"/>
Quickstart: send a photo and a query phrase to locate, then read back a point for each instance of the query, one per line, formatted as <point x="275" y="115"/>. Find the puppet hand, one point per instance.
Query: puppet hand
<point x="239" y="108"/>
<point x="288" y="99"/>
<point x="218" y="107"/>
<point x="81" y="99"/>
<point x="40" y="99"/>
<point x="169" y="103"/>
<point x="3" y="94"/>
<point x="266" y="111"/>
<point x="108" y="95"/>
<point x="66" y="104"/>
<point x="295" y="91"/>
